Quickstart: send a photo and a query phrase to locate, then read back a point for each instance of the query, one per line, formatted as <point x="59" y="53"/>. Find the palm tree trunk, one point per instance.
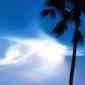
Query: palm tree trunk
<point x="73" y="63"/>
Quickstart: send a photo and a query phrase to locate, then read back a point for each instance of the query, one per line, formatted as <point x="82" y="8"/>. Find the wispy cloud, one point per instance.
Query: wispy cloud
<point x="41" y="55"/>
<point x="50" y="51"/>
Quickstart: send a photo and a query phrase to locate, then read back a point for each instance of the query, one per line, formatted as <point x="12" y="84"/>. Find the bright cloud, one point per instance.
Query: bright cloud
<point x="50" y="51"/>
<point x="50" y="54"/>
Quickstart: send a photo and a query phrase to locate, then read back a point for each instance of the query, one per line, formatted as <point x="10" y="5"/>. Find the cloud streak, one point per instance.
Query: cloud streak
<point x="48" y="50"/>
<point x="42" y="55"/>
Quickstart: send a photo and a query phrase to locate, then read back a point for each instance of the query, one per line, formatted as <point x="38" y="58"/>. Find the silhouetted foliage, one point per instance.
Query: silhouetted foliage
<point x="69" y="10"/>
<point x="67" y="15"/>
<point x="60" y="28"/>
<point x="58" y="4"/>
<point x="49" y="11"/>
<point x="78" y="37"/>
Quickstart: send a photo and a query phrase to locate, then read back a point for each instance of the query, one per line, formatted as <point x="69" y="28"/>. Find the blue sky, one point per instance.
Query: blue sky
<point x="29" y="53"/>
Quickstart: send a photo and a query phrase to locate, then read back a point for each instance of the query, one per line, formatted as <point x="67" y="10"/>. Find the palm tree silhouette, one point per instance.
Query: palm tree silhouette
<point x="69" y="10"/>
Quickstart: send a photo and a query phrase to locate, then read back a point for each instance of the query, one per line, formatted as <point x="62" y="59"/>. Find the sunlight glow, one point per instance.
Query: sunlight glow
<point x="50" y="53"/>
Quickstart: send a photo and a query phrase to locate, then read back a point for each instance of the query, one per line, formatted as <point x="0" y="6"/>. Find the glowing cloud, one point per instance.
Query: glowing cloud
<point x="51" y="52"/>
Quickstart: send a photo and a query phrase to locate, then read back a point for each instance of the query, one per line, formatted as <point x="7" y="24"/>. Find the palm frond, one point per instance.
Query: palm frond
<point x="60" y="28"/>
<point x="84" y="10"/>
<point x="67" y="15"/>
<point x="45" y="12"/>
<point x="53" y="13"/>
<point x="49" y="11"/>
<point x="78" y="37"/>
<point x="51" y="3"/>
<point x="59" y="4"/>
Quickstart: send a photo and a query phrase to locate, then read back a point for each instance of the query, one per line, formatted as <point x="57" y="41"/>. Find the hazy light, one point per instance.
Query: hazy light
<point x="50" y="52"/>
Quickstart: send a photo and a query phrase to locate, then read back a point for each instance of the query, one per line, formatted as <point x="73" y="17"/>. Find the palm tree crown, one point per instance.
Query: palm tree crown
<point x="69" y="10"/>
